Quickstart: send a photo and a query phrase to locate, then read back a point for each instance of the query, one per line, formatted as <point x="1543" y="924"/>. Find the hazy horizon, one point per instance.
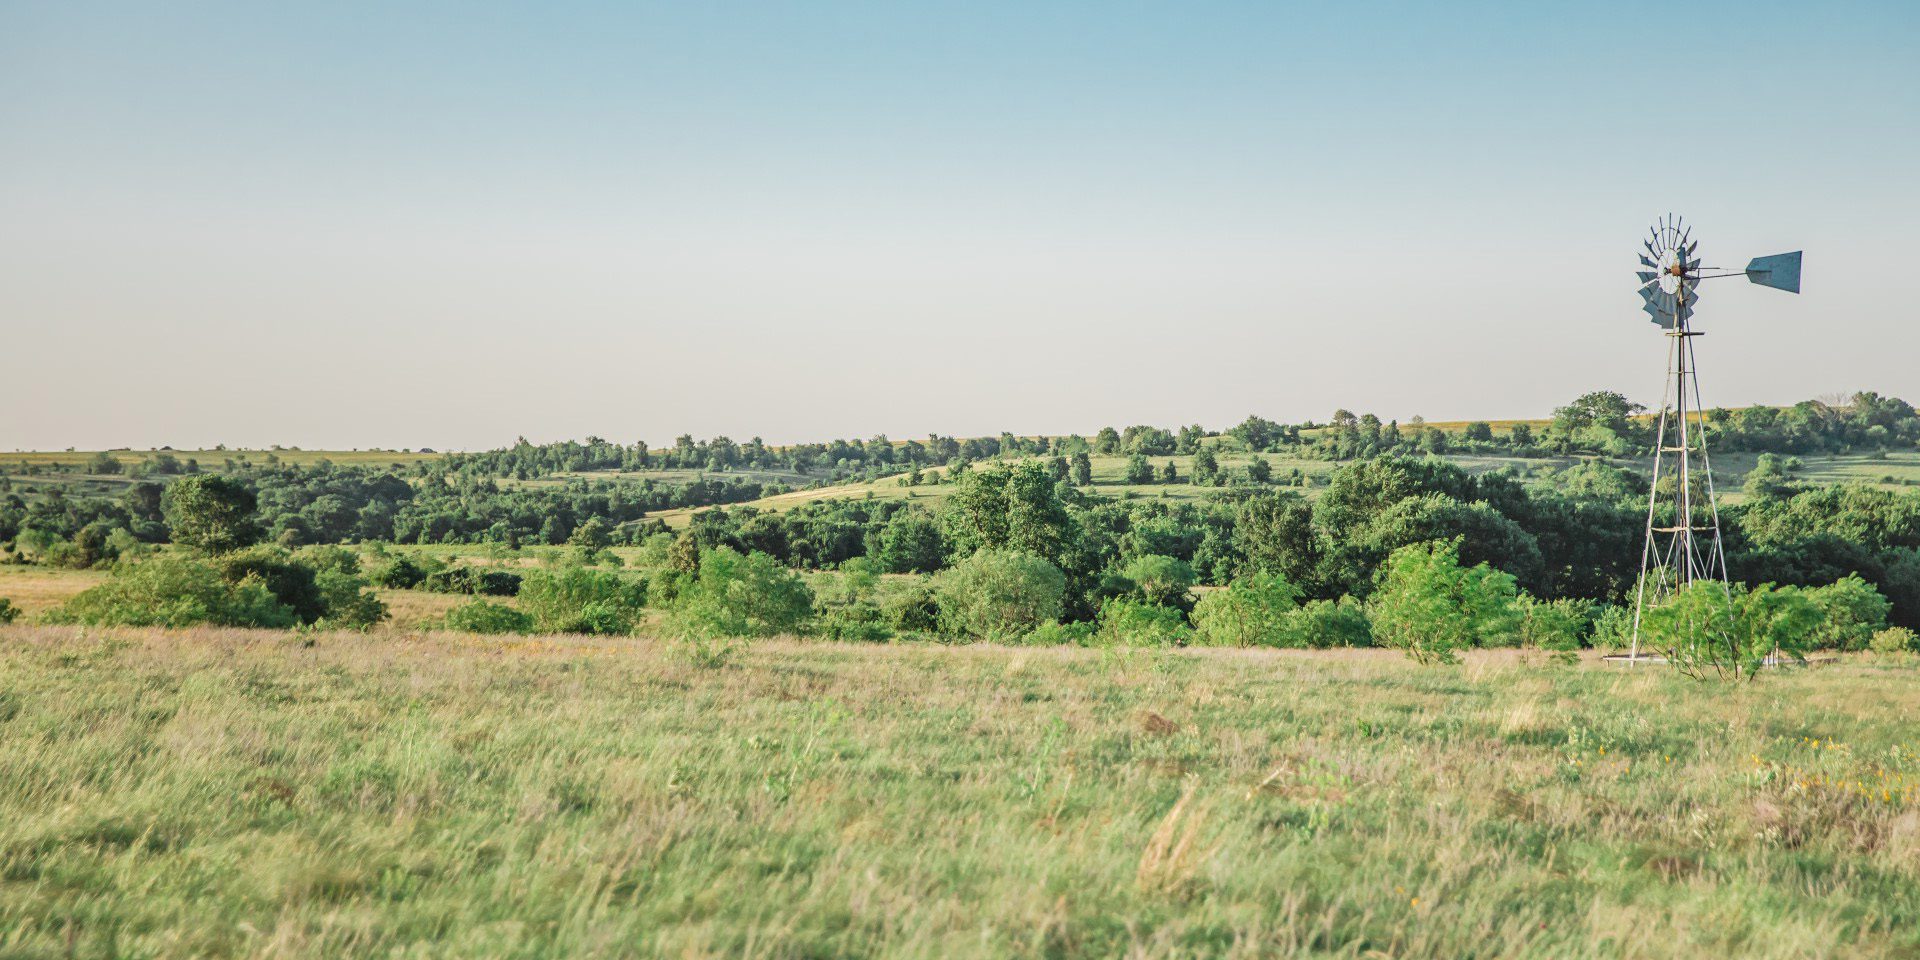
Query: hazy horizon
<point x="449" y="226"/>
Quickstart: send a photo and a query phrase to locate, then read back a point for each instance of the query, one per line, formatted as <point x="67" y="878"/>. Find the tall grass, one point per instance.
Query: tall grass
<point x="216" y="793"/>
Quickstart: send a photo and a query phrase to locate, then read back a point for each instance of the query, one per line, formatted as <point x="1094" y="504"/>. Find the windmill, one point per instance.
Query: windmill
<point x="1688" y="548"/>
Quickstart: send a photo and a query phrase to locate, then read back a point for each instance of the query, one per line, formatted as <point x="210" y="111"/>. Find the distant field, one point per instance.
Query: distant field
<point x="213" y="458"/>
<point x="226" y="793"/>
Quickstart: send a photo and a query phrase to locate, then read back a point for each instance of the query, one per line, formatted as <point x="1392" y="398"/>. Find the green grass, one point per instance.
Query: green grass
<point x="227" y="793"/>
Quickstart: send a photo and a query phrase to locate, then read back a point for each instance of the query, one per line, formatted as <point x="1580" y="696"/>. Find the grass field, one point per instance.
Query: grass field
<point x="228" y="793"/>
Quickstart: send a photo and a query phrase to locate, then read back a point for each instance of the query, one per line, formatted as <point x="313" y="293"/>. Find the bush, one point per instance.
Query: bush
<point x="1851" y="610"/>
<point x="1727" y="629"/>
<point x="8" y="612"/>
<point x="1132" y="623"/>
<point x="176" y="591"/>
<point x="1558" y="625"/>
<point x="583" y="600"/>
<point x="1322" y="624"/>
<point x="473" y="581"/>
<point x="744" y="596"/>
<point x="1432" y="607"/>
<point x="1889" y="641"/>
<point x="999" y="595"/>
<point x="398" y="573"/>
<point x="1055" y="634"/>
<point x="485" y="616"/>
<point x="343" y="591"/>
<point x="294" y="584"/>
<point x="913" y="610"/>
<point x="1161" y="580"/>
<point x="1252" y="611"/>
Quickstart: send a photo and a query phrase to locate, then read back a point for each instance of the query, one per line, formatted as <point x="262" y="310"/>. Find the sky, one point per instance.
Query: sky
<point x="449" y="225"/>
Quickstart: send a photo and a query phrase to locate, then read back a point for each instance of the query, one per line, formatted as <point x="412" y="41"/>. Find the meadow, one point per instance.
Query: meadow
<point x="224" y="793"/>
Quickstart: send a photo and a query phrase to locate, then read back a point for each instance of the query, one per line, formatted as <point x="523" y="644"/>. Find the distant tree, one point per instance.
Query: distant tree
<point x="1138" y="469"/>
<point x="1169" y="474"/>
<point x="591" y="535"/>
<point x="1433" y="440"/>
<point x="1260" y="470"/>
<point x="1521" y="435"/>
<point x="1082" y="469"/>
<point x="1107" y="441"/>
<point x="1206" y="467"/>
<point x="1479" y="431"/>
<point x="212" y="513"/>
<point x="999" y="595"/>
<point x="104" y="463"/>
<point x="1161" y="580"/>
<point x="910" y="543"/>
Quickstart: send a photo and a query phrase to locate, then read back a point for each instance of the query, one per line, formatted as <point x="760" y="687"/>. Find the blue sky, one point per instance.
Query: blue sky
<point x="451" y="224"/>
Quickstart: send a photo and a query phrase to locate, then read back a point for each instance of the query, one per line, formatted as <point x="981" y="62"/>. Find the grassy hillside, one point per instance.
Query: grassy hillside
<point x="222" y="793"/>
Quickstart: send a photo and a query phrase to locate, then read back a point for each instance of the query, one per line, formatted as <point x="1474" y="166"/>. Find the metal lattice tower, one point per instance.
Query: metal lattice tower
<point x="1685" y="547"/>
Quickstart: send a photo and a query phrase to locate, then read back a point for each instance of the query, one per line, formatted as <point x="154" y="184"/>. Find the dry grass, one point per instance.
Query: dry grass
<point x="217" y="793"/>
<point x="37" y="589"/>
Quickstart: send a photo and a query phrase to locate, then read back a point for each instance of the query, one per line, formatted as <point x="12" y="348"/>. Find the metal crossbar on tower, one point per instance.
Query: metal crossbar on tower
<point x="1685" y="547"/>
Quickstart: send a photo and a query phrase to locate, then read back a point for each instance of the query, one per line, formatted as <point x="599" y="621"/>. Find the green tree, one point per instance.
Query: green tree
<point x="1206" y="468"/>
<point x="1431" y="607"/>
<point x="577" y="599"/>
<point x="591" y="535"/>
<point x="911" y="543"/>
<point x="1139" y="470"/>
<point x="1851" y="612"/>
<point x="1082" y="469"/>
<point x="1161" y="580"/>
<point x="1124" y="622"/>
<point x="745" y="596"/>
<point x="1727" y="630"/>
<point x="212" y="513"/>
<point x="1251" y="612"/>
<point x="999" y="595"/>
<point x="1170" y="474"/>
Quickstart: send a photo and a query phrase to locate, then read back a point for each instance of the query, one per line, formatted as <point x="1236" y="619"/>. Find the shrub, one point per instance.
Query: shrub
<point x="583" y="600"/>
<point x="485" y="616"/>
<point x="1056" y="634"/>
<point x="1132" y="623"/>
<point x="1558" y="625"/>
<point x="293" y="583"/>
<point x="1851" y="610"/>
<point x="1322" y="624"/>
<point x="473" y="581"/>
<point x="176" y="591"/>
<point x="398" y="573"/>
<point x="999" y="595"/>
<point x="1251" y="612"/>
<point x="1890" y="641"/>
<point x="1161" y="580"/>
<point x="1432" y="607"/>
<point x="914" y="609"/>
<point x="8" y="612"/>
<point x="744" y="596"/>
<point x="343" y="591"/>
<point x="1727" y="629"/>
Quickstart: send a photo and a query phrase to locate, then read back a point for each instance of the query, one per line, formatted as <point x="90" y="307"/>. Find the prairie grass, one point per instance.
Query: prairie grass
<point x="215" y="793"/>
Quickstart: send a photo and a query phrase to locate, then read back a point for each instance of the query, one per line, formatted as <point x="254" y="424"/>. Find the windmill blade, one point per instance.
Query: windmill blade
<point x="1649" y="264"/>
<point x="1780" y="271"/>
<point x="1645" y="277"/>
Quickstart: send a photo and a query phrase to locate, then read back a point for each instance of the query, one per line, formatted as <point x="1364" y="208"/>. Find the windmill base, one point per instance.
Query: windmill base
<point x="1628" y="659"/>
